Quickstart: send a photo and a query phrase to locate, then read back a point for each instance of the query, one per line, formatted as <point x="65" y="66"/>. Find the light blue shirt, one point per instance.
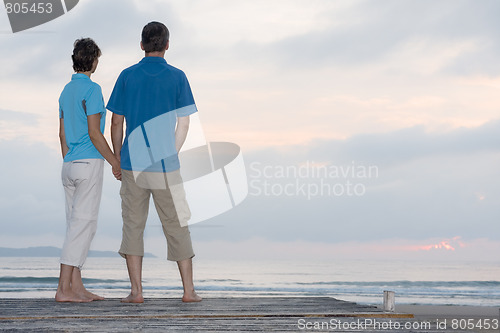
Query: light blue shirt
<point x="151" y="95"/>
<point x="80" y="98"/>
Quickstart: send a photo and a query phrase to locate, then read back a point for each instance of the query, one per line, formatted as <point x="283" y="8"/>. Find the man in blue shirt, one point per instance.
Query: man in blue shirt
<point x="82" y="116"/>
<point x="153" y="97"/>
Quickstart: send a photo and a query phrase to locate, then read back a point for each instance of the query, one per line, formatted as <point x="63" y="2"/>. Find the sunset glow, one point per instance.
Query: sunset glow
<point x="446" y="244"/>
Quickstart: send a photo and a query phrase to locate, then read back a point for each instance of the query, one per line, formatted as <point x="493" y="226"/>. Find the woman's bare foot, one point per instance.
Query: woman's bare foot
<point x="92" y="296"/>
<point x="133" y="298"/>
<point x="71" y="297"/>
<point x="191" y="297"/>
<point x="87" y="294"/>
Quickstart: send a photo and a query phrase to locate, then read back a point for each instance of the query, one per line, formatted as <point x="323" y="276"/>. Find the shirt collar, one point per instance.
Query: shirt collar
<point x="153" y="60"/>
<point x="77" y="76"/>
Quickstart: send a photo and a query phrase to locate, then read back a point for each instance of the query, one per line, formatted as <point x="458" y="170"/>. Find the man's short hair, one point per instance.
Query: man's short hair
<point x="155" y="36"/>
<point x="85" y="52"/>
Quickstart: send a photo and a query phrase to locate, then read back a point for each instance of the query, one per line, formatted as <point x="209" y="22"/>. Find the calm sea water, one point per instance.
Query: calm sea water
<point x="465" y="283"/>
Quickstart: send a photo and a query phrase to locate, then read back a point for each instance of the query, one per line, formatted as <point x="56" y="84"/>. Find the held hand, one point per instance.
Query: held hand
<point x="117" y="171"/>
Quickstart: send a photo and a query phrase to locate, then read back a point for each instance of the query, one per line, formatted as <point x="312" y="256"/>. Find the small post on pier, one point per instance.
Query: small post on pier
<point x="389" y="301"/>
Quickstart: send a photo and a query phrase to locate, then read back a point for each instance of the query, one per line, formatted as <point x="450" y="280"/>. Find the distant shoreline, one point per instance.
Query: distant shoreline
<point x="51" y="251"/>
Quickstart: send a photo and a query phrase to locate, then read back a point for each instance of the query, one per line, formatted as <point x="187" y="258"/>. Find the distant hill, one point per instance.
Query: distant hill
<point x="51" y="251"/>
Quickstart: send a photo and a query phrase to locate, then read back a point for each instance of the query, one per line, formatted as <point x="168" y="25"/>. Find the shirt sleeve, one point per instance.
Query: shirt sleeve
<point x="61" y="113"/>
<point x="185" y="99"/>
<point x="94" y="101"/>
<point x="116" y="103"/>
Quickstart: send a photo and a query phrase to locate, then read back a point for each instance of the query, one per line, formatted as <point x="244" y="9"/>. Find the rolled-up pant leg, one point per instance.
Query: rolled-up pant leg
<point x="82" y="182"/>
<point x="173" y="211"/>
<point x="135" y="206"/>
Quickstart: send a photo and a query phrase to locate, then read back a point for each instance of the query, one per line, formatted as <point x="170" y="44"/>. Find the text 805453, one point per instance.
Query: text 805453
<point x="25" y="8"/>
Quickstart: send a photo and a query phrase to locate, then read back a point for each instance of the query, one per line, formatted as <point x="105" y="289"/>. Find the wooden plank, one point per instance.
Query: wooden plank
<point x="249" y="314"/>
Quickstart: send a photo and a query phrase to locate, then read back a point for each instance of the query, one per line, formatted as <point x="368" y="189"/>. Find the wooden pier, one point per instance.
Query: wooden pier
<point x="249" y="314"/>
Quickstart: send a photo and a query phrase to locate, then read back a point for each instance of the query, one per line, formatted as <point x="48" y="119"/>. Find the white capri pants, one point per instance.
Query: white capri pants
<point x="82" y="182"/>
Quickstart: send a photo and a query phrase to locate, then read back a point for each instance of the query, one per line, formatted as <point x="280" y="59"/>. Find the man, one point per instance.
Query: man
<point x="81" y="124"/>
<point x="153" y="97"/>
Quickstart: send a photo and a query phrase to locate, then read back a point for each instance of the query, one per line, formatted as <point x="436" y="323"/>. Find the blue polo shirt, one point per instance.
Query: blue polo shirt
<point x="80" y="98"/>
<point x="151" y="95"/>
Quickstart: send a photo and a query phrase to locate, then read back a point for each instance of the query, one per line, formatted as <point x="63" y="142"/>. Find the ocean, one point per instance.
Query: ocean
<point x="466" y="283"/>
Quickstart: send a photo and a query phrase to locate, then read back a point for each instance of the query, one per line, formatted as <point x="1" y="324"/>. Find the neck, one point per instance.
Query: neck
<point x="155" y="54"/>
<point x="88" y="73"/>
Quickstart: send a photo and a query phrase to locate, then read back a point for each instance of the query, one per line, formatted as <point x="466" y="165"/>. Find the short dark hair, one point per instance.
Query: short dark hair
<point x="85" y="52"/>
<point x="155" y="36"/>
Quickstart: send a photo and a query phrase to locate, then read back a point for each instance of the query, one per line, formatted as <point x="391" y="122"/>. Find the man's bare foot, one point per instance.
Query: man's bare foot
<point x="191" y="297"/>
<point x="133" y="298"/>
<point x="71" y="297"/>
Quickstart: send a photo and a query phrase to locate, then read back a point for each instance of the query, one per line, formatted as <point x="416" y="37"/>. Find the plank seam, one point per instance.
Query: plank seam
<point x="291" y="315"/>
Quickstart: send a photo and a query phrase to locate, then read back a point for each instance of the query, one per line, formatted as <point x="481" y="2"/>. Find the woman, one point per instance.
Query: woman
<point x="82" y="118"/>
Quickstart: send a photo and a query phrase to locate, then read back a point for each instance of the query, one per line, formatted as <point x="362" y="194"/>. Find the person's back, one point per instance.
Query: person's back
<point x="145" y="91"/>
<point x="78" y="96"/>
<point x="84" y="148"/>
<point x="155" y="100"/>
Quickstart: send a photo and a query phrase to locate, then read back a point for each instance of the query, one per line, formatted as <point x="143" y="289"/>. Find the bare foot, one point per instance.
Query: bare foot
<point x="94" y="296"/>
<point x="87" y="294"/>
<point x="133" y="299"/>
<point x="71" y="297"/>
<point x="191" y="297"/>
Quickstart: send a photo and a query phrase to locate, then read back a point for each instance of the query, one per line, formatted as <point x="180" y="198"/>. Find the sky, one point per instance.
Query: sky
<point x="369" y="129"/>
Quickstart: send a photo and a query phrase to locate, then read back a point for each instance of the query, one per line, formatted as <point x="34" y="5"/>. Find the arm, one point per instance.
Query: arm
<point x="181" y="132"/>
<point x="117" y="133"/>
<point x="62" y="138"/>
<point x="101" y="145"/>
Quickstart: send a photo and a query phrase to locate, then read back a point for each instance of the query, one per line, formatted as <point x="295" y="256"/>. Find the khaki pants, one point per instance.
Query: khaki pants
<point x="172" y="210"/>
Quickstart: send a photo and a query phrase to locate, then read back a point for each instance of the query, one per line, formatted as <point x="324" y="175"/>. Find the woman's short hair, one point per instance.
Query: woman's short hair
<point x="85" y="52"/>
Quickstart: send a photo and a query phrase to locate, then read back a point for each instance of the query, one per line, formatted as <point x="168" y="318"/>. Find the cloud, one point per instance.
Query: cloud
<point x="15" y="124"/>
<point x="446" y="186"/>
<point x="379" y="29"/>
<point x="426" y="185"/>
<point x="480" y="249"/>
<point x="29" y="196"/>
<point x="395" y="147"/>
<point x="409" y="87"/>
<point x="42" y="57"/>
<point x="32" y="197"/>
<point x="8" y="116"/>
<point x="317" y="70"/>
